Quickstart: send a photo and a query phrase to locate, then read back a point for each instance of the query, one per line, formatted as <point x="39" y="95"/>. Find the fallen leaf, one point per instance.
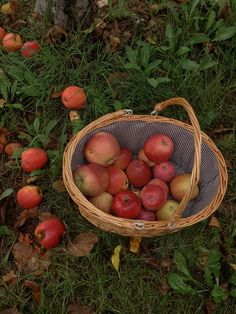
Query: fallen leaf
<point x="102" y="3"/>
<point x="210" y="307"/>
<point x="6" y="9"/>
<point x="36" y="290"/>
<point x="115" y="42"/>
<point x="3" y="209"/>
<point x="59" y="186"/>
<point x="214" y="222"/>
<point x="4" y="136"/>
<point x="115" y="259"/>
<point x="74" y="116"/>
<point x="12" y="310"/>
<point x="10" y="278"/>
<point x="56" y="95"/>
<point x="78" y="308"/>
<point x="2" y="102"/>
<point x="82" y="244"/>
<point x="166" y="264"/>
<point x="56" y="35"/>
<point x="32" y="179"/>
<point x="134" y="244"/>
<point x="25" y="215"/>
<point x="24" y="238"/>
<point x="164" y="287"/>
<point x="233" y="266"/>
<point x="45" y="215"/>
<point x="21" y="254"/>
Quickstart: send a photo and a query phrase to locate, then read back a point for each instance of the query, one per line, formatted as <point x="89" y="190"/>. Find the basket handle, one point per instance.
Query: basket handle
<point x="195" y="175"/>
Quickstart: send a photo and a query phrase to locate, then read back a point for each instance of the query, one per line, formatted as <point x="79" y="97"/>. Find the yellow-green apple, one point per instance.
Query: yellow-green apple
<point x="143" y="157"/>
<point x="103" y="202"/>
<point x="118" y="180"/>
<point x="126" y="204"/>
<point x="102" y="149"/>
<point x="164" y="170"/>
<point x="167" y="210"/>
<point x="12" y="42"/>
<point x="2" y="33"/>
<point x="29" y="196"/>
<point x="91" y="179"/>
<point x="146" y="215"/>
<point x="153" y="197"/>
<point x="30" y="48"/>
<point x="179" y="187"/>
<point x="158" y="147"/>
<point x="138" y="173"/>
<point x="160" y="183"/>
<point x="124" y="158"/>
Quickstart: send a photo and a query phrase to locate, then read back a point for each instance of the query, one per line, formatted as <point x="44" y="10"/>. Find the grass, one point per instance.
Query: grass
<point x="136" y="76"/>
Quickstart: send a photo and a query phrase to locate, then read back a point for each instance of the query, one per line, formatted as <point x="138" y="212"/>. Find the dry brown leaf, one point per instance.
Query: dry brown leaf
<point x="45" y="215"/>
<point x="12" y="310"/>
<point x="2" y="102"/>
<point x="135" y="244"/>
<point x="74" y="116"/>
<point x="78" y="308"/>
<point x="10" y="278"/>
<point x="3" y="209"/>
<point x="24" y="238"/>
<point x="56" y="94"/>
<point x="115" y="42"/>
<point x="210" y="307"/>
<point x="36" y="290"/>
<point x="82" y="244"/>
<point x="4" y="136"/>
<point x="21" y="254"/>
<point x="59" y="186"/>
<point x="164" y="287"/>
<point x="214" y="222"/>
<point x="56" y="35"/>
<point x="25" y="215"/>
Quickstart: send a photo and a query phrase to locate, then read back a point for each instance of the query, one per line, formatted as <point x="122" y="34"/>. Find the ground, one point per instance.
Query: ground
<point x="133" y="55"/>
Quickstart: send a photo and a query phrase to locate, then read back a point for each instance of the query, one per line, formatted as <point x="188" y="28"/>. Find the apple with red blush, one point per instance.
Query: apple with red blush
<point x="164" y="170"/>
<point x="153" y="197"/>
<point x="158" y="147"/>
<point x="138" y="173"/>
<point x="124" y="158"/>
<point x="118" y="180"/>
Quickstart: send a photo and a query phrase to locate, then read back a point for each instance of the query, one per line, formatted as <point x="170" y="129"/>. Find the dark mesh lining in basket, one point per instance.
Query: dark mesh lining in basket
<point x="132" y="134"/>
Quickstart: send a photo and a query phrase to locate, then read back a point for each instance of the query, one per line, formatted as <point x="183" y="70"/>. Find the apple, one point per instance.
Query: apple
<point x="167" y="210"/>
<point x="103" y="201"/>
<point x="164" y="170"/>
<point x="91" y="179"/>
<point x="2" y="33"/>
<point x="49" y="232"/>
<point x="147" y="215"/>
<point x="33" y="158"/>
<point x="153" y="197"/>
<point x="124" y="158"/>
<point x="143" y="157"/>
<point x="118" y="180"/>
<point x="160" y="183"/>
<point x="29" y="196"/>
<point x="179" y="187"/>
<point x="30" y="48"/>
<point x="158" y="147"/>
<point x="138" y="173"/>
<point x="11" y="42"/>
<point x="73" y="97"/>
<point x="102" y="149"/>
<point x="126" y="204"/>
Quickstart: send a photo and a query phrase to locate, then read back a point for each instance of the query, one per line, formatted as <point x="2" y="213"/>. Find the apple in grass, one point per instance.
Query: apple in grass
<point x="161" y="183"/>
<point x="158" y="147"/>
<point x="103" y="202"/>
<point x="167" y="210"/>
<point x="73" y="97"/>
<point x="30" y="48"/>
<point x="33" y="158"/>
<point x="29" y="196"/>
<point x="143" y="157"/>
<point x="124" y="158"/>
<point x="118" y="180"/>
<point x="126" y="204"/>
<point x="153" y="197"/>
<point x="2" y="33"/>
<point x="12" y="42"/>
<point x="102" y="149"/>
<point x="179" y="187"/>
<point x="91" y="179"/>
<point x="164" y="170"/>
<point x="138" y="173"/>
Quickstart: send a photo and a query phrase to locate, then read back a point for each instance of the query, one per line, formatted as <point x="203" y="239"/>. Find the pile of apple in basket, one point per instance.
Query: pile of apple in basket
<point x="144" y="187"/>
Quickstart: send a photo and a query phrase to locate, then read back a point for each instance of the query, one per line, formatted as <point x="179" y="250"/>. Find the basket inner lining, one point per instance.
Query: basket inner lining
<point x="132" y="134"/>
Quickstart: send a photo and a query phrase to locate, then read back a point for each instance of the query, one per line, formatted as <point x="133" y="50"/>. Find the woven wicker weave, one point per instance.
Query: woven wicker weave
<point x="196" y="154"/>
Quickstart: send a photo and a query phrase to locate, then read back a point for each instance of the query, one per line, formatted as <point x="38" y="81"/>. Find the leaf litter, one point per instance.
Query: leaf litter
<point x="82" y="244"/>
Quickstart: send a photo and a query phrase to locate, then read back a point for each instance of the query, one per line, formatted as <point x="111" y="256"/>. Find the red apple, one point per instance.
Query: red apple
<point x="160" y="183"/>
<point x="91" y="179"/>
<point x="102" y="149"/>
<point x="103" y="201"/>
<point x="158" y="147"/>
<point x="2" y="33"/>
<point x="138" y="173"/>
<point x="30" y="48"/>
<point x="143" y="157"/>
<point x="33" y="158"/>
<point x="49" y="232"/>
<point x="153" y="197"/>
<point x="124" y="158"/>
<point x="147" y="215"/>
<point x="164" y="170"/>
<point x="118" y="180"/>
<point x="11" y="42"/>
<point x="73" y="97"/>
<point x="167" y="210"/>
<point x="179" y="187"/>
<point x="126" y="204"/>
<point x="29" y="196"/>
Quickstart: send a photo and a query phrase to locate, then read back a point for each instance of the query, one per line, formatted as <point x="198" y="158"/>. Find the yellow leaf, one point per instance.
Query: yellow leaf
<point x="233" y="266"/>
<point x="6" y="8"/>
<point x="2" y="102"/>
<point x="134" y="244"/>
<point x="74" y="115"/>
<point x="115" y="259"/>
<point x="214" y="222"/>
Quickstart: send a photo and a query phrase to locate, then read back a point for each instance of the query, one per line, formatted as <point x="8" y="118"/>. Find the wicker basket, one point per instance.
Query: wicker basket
<point x="194" y="153"/>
